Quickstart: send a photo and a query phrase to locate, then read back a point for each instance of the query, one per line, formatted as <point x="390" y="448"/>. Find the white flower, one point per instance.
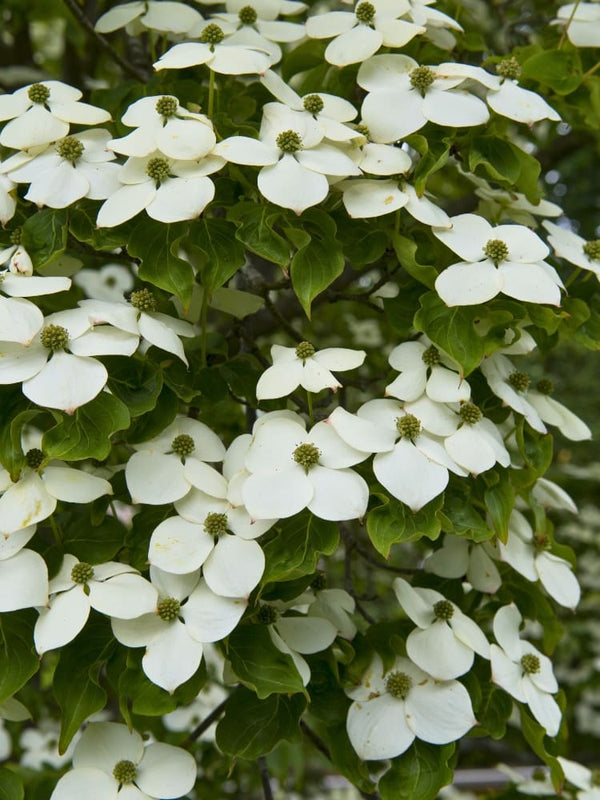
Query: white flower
<point x="574" y="248"/>
<point x="294" y="158"/>
<point x="292" y="469"/>
<point x="424" y="368"/>
<point x="41" y="112"/>
<point x="529" y="556"/>
<point x="186" y="718"/>
<point x="108" y="283"/>
<point x="40" y="746"/>
<point x="304" y="366"/>
<point x="162" y="124"/>
<point x="460" y="557"/>
<point x="187" y="615"/>
<point x="364" y="198"/>
<point x="114" y="589"/>
<point x="582" y="777"/>
<point x="23" y="573"/>
<point x="393" y="708"/>
<point x="512" y="101"/>
<point x="165" y="468"/>
<point x="502" y="204"/>
<point x="111" y="761"/>
<point x="337" y="606"/>
<point x="522" y="671"/>
<point x="8" y="203"/>
<point x="360" y="34"/>
<point x="505" y="258"/>
<point x="423" y="93"/>
<point x="164" y="16"/>
<point x="446" y="640"/>
<point x="168" y="189"/>
<point x="214" y="50"/>
<point x="476" y="445"/>
<point x="72" y="168"/>
<point x="583" y="21"/>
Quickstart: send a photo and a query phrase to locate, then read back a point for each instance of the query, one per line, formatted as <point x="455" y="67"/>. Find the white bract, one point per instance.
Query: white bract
<point x="460" y="557"/>
<point x="393" y="708"/>
<point x="476" y="445"/>
<point x="522" y="671"/>
<point x="365" y="198"/>
<point x="424" y="368"/>
<point x="358" y="35"/>
<point x="446" y="640"/>
<point x="41" y="112"/>
<point x="164" y="16"/>
<point x="109" y="283"/>
<point x="304" y="366"/>
<point x="114" y="589"/>
<point x="505" y="258"/>
<point x="292" y="469"/>
<point x="23" y="574"/>
<point x="111" y="762"/>
<point x="581" y="22"/>
<point x="512" y="101"/>
<point x="8" y="203"/>
<point x="582" y="777"/>
<point x="575" y="249"/>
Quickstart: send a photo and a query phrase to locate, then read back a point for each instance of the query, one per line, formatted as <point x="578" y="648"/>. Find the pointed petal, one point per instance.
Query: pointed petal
<point x="155" y="479"/>
<point x="467" y="284"/>
<point x="74" y="485"/>
<point x="377" y="728"/>
<point x="60" y="624"/>
<point x="339" y="494"/>
<point x="166" y="771"/>
<point x="409" y="475"/>
<point x="125" y="596"/>
<point x="173" y="657"/>
<point x="23" y="581"/>
<point x="235" y="567"/>
<point x="439" y="712"/>
<point x="209" y="617"/>
<point x="179" y="546"/>
<point x="310" y="188"/>
<point x="306" y="635"/>
<point x="66" y="382"/>
<point x="25" y="503"/>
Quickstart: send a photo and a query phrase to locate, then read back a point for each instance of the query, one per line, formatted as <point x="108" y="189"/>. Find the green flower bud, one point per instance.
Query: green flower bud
<point x="34" y="458"/>
<point x="431" y="356"/>
<point x="398" y="684"/>
<point x="496" y="250"/>
<point x="168" y="609"/>
<point x="212" y="34"/>
<point x="215" y="524"/>
<point x="54" y="337"/>
<point x="38" y="93"/>
<point x="247" y="15"/>
<point x="421" y="79"/>
<point x="125" y="772"/>
<point x="143" y="300"/>
<point x="82" y="572"/>
<point x="166" y="106"/>
<point x="443" y="609"/>
<point x="519" y="380"/>
<point x="158" y="169"/>
<point x="305" y="350"/>
<point x="469" y="413"/>
<point x="592" y="250"/>
<point x="530" y="663"/>
<point x="307" y="455"/>
<point x="289" y="142"/>
<point x="183" y="445"/>
<point x="267" y="615"/>
<point x="15" y="236"/>
<point x="545" y="386"/>
<point x="70" y="148"/>
<point x="509" y="68"/>
<point x="313" y="103"/>
<point x="365" y="12"/>
<point x="409" y="427"/>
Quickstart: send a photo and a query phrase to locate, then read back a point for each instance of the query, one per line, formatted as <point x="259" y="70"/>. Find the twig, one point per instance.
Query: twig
<point x="206" y="722"/>
<point x="264" y="778"/>
<point x="130" y="69"/>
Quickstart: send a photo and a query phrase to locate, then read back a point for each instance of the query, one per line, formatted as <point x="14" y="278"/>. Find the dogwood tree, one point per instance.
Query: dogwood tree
<point x="278" y="285"/>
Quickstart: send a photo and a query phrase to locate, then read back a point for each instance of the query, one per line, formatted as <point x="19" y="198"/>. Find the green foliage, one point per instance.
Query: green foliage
<point x="259" y="665"/>
<point x="419" y="774"/>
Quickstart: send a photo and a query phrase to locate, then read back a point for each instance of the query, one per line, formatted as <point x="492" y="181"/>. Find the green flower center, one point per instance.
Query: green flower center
<point x="247" y="15"/>
<point x="70" y="148"/>
<point x="542" y="542"/>
<point x="289" y="142"/>
<point x="82" y="572"/>
<point x="469" y="413"/>
<point x="530" y="664"/>
<point x="168" y="609"/>
<point x="443" y="609"/>
<point x="38" y="93"/>
<point x="519" y="380"/>
<point x="431" y="356"/>
<point x="421" y="79"/>
<point x="143" y="300"/>
<point x="409" y="427"/>
<point x="215" y="524"/>
<point x="307" y="455"/>
<point x="545" y="386"/>
<point x="34" y="458"/>
<point x="267" y="615"/>
<point x="538" y="774"/>
<point x="54" y="337"/>
<point x="592" y="250"/>
<point x="496" y="250"/>
<point x="509" y="68"/>
<point x="313" y="103"/>
<point x="15" y="236"/>
<point x="365" y="12"/>
<point x="363" y="129"/>
<point x="125" y="771"/>
<point x="212" y="34"/>
<point x="319" y="582"/>
<point x="183" y="445"/>
<point x="398" y="684"/>
<point x="305" y="350"/>
<point x="158" y="169"/>
<point x="166" y="106"/>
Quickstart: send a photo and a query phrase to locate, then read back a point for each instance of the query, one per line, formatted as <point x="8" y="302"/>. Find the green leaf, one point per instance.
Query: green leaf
<point x="362" y="241"/>
<point x="11" y="785"/>
<point x="259" y="664"/>
<point x="405" y="250"/>
<point x="157" y="246"/>
<point x="93" y="543"/>
<point x="431" y="161"/>
<point x="558" y="69"/>
<point x="418" y="774"/>
<point x="343" y="756"/>
<point x="500" y="501"/>
<point x="135" y="381"/>
<point x="297" y="545"/>
<point x="219" y="252"/>
<point x="11" y="452"/>
<point x="251" y="727"/>
<point x="82" y="225"/>
<point x="495" y="158"/>
<point x="256" y="231"/>
<point x="494" y="711"/>
<point x="534" y="735"/>
<point x="18" y="659"/>
<point x="464" y="520"/>
<point x="87" y="432"/>
<point x="44" y="235"/>
<point x="394" y="522"/>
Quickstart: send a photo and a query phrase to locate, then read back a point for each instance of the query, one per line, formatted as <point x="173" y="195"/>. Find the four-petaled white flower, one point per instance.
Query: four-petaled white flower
<point x="522" y="671"/>
<point x="112" y="762"/>
<point x="23" y="572"/>
<point x="575" y="249"/>
<point x="581" y="22"/>
<point x="394" y="707"/>
<point x="164" y="16"/>
<point x="425" y="368"/>
<point x="458" y="557"/>
<point x="512" y="101"/>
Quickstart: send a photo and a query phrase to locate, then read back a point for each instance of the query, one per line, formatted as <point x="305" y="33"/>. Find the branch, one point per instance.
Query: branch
<point x="206" y="723"/>
<point x="264" y="778"/>
<point x="130" y="69"/>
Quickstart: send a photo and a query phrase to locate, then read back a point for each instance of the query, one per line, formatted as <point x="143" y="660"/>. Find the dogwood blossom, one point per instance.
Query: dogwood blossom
<point x="581" y="22"/>
<point x="512" y="101"/>
<point x="424" y="368"/>
<point x="164" y="16"/>
<point x="111" y="282"/>
<point x="458" y="557"/>
<point x="476" y="445"/>
<point x="522" y="671"/>
<point x="394" y="707"/>
<point x="364" y="198"/>
<point x="304" y="366"/>
<point x="505" y="258"/>
<point x="8" y="203"/>
<point x="575" y="249"/>
<point x="23" y="572"/>
<point x="111" y="761"/>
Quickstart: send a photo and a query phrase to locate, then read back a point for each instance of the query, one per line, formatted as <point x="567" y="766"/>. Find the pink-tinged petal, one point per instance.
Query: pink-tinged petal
<point x="179" y="546"/>
<point x="543" y="707"/>
<point x="243" y="526"/>
<point x="23" y="581"/>
<point x="437" y="651"/>
<point x="60" y="624"/>
<point x="125" y="204"/>
<point x="361" y="434"/>
<point x="439" y="712"/>
<point x="166" y="771"/>
<point x="409" y="475"/>
<point x="414" y="603"/>
<point x="306" y="635"/>
<point x="290" y="185"/>
<point x="467" y="284"/>
<point x="280" y="380"/>
<point x="180" y="199"/>
<point x="17" y="363"/>
<point x="123" y="596"/>
<point x="377" y="728"/>
<point x="506" y="630"/>
<point x="173" y="657"/>
<point x="385" y="125"/>
<point x="558" y="579"/>
<point x="104" y="744"/>
<point x="235" y="567"/>
<point x="314" y="377"/>
<point x="155" y="479"/>
<point x="209" y="617"/>
<point x="455" y="109"/>
<point x="25" y="503"/>
<point x="353" y="46"/>
<point x="335" y="452"/>
<point x="339" y="494"/>
<point x="277" y="495"/>
<point x="66" y="382"/>
<point x="74" y="485"/>
<point x="88" y="782"/>
<point x="529" y="282"/>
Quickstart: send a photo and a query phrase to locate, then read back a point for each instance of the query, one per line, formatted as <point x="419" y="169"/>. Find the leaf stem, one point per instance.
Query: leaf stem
<point x="206" y="723"/>
<point x="211" y="94"/>
<point x="566" y="28"/>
